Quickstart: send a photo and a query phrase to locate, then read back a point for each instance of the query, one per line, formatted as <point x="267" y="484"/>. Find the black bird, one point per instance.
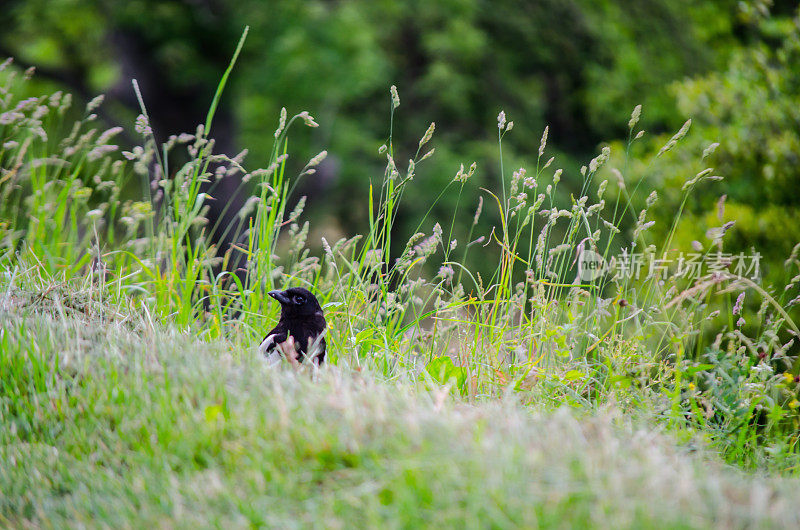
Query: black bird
<point x="300" y="329"/>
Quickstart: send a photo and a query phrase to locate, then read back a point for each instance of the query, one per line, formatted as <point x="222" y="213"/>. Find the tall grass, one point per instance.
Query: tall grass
<point x="128" y="424"/>
<point x="533" y="328"/>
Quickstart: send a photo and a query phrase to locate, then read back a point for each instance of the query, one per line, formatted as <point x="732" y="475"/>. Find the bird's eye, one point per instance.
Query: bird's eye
<point x="299" y="300"/>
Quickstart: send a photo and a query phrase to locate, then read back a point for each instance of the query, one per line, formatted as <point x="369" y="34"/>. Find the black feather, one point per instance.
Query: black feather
<point x="302" y="318"/>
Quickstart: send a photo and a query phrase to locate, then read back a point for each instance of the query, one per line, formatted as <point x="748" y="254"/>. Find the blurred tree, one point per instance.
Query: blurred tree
<point x="752" y="109"/>
<point x="578" y="65"/>
<point x="172" y="48"/>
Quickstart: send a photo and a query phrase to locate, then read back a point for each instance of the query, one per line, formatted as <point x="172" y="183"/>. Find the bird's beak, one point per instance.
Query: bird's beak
<point x="280" y="296"/>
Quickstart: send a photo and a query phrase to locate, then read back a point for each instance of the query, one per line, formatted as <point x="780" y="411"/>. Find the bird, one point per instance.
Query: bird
<point x="300" y="332"/>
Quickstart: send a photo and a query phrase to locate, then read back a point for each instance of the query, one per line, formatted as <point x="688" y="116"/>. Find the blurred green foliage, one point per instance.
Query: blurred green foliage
<point x="751" y="108"/>
<point x="578" y="66"/>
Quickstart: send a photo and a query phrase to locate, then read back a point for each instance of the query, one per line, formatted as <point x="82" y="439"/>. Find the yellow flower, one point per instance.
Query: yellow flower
<point x="794" y="404"/>
<point x="789" y="377"/>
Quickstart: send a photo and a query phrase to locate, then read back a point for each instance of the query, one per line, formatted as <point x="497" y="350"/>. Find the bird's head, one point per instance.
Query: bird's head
<point x="297" y="302"/>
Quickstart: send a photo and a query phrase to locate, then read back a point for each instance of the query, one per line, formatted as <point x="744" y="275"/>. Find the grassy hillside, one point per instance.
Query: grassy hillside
<point x="544" y="393"/>
<point x="109" y="420"/>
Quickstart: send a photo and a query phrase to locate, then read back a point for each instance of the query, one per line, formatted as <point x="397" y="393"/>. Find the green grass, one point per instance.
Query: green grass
<point x="131" y="393"/>
<point x="109" y="420"/>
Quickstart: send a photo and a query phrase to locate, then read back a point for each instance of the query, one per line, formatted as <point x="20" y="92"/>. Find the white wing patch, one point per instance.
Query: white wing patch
<point x="267" y="348"/>
<point x="274" y="352"/>
<point x="316" y="347"/>
<point x="267" y="345"/>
